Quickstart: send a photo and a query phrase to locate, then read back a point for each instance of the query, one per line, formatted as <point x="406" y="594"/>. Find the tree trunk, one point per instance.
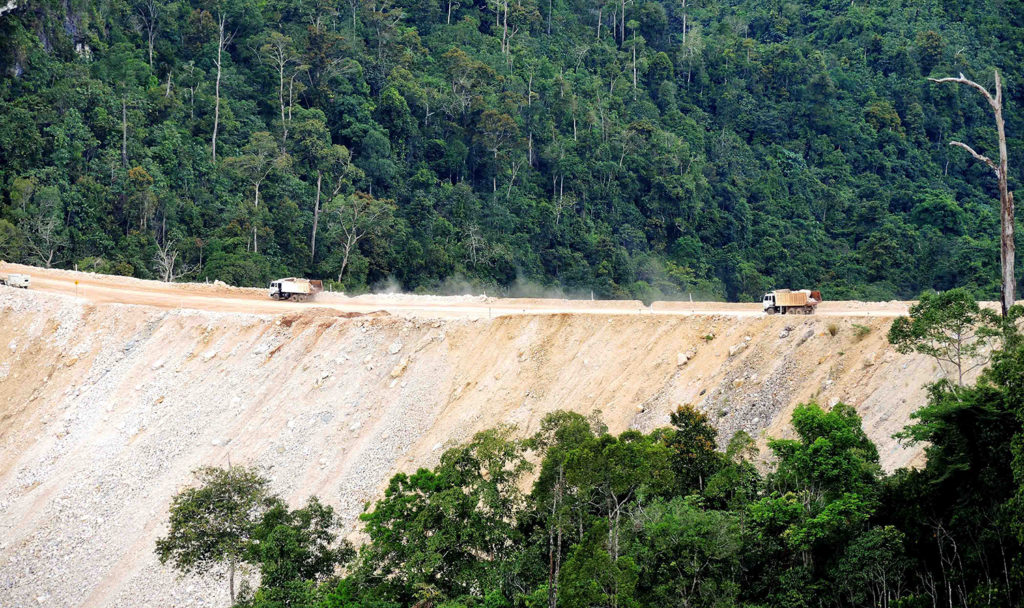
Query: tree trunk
<point x="256" y="207"/>
<point x="124" y="132"/>
<point x="684" y="22"/>
<point x="634" y="63"/>
<point x="622" y="22"/>
<point x="1008" y="288"/>
<point x="316" y="217"/>
<point x="231" y="581"/>
<point x="221" y="43"/>
<point x="344" y="259"/>
<point x="1006" y="239"/>
<point x="504" y="29"/>
<point x="280" y="99"/>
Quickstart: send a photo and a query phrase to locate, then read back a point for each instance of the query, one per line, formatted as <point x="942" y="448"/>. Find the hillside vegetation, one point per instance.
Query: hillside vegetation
<point x="636" y="148"/>
<point x="656" y="519"/>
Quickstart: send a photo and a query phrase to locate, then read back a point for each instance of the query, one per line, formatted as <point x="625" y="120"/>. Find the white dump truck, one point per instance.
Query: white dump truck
<point x="15" y="280"/>
<point x="785" y="301"/>
<point x="299" y="290"/>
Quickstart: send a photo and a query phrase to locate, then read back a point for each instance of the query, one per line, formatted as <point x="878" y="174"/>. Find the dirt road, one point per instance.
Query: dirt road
<point x="99" y="289"/>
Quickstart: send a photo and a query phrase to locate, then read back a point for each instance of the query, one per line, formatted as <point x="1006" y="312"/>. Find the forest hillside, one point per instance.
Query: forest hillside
<point x="630" y="148"/>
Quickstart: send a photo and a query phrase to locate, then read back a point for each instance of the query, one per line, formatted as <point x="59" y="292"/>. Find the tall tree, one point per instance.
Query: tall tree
<point x="355" y="216"/>
<point x="1006" y="219"/>
<point x="224" y="38"/>
<point x="279" y="52"/>
<point x="260" y="157"/>
<point x="214" y="522"/>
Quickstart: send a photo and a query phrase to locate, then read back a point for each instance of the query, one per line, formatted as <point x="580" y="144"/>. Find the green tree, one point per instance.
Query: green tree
<point x="693" y="448"/>
<point x="354" y="217"/>
<point x="449" y="529"/>
<point x="260" y="157"/>
<point x="214" y="523"/>
<point x="951" y="328"/>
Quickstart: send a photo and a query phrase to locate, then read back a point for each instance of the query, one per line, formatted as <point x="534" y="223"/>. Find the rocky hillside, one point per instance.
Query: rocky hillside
<point x="105" y="410"/>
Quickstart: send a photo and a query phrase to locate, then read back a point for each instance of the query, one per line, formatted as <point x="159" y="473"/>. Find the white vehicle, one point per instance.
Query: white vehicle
<point x="15" y="280"/>
<point x="784" y="301"/>
<point x="292" y="288"/>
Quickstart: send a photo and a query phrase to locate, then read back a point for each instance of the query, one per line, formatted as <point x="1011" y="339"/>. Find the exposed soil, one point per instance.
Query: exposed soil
<point x="109" y="400"/>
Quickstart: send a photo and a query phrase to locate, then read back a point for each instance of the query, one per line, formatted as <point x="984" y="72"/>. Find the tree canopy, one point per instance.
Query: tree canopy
<point x="642" y="149"/>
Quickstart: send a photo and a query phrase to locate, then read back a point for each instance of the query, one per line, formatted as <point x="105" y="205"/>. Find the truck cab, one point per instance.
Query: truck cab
<point x="275" y="289"/>
<point x="15" y="280"/>
<point x="768" y="303"/>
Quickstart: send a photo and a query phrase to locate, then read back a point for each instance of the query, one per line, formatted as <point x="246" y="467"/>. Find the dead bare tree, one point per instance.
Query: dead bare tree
<point x="149" y="20"/>
<point x="167" y="265"/>
<point x="224" y="38"/>
<point x="279" y="51"/>
<point x="1006" y="246"/>
<point x="45" y="238"/>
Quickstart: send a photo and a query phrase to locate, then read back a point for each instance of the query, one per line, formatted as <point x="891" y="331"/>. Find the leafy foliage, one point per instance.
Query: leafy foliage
<point x="663" y="518"/>
<point x="950" y="327"/>
<point x="640" y="149"/>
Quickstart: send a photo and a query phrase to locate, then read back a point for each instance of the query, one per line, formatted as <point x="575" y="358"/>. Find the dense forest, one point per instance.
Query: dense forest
<point x="637" y="148"/>
<point x="575" y="517"/>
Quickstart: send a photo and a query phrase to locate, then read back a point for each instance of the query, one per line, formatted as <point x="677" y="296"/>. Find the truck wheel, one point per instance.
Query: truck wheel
<point x="771" y="310"/>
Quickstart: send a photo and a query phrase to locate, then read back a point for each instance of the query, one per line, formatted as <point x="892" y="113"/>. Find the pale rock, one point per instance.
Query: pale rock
<point x="395" y="347"/>
<point x="399" y="369"/>
<point x="737" y="348"/>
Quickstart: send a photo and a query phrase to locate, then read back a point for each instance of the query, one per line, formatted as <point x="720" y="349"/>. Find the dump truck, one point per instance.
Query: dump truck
<point x="15" y="280"/>
<point x="299" y="290"/>
<point x="785" y="301"/>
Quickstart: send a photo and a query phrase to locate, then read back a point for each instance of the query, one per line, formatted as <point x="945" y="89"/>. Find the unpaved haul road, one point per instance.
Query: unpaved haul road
<point x="104" y="289"/>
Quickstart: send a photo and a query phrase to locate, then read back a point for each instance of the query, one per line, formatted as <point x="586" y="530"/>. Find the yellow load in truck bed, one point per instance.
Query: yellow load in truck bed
<point x="802" y="297"/>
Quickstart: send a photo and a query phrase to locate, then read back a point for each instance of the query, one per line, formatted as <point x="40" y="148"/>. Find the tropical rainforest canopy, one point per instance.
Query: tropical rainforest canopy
<point x="634" y="148"/>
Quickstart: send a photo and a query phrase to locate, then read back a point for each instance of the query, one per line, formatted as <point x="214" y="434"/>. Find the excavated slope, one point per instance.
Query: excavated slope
<point x="105" y="409"/>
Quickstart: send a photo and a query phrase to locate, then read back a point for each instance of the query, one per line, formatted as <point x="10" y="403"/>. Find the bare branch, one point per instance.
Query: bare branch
<point x="168" y="265"/>
<point x="988" y="161"/>
<point x="962" y="80"/>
